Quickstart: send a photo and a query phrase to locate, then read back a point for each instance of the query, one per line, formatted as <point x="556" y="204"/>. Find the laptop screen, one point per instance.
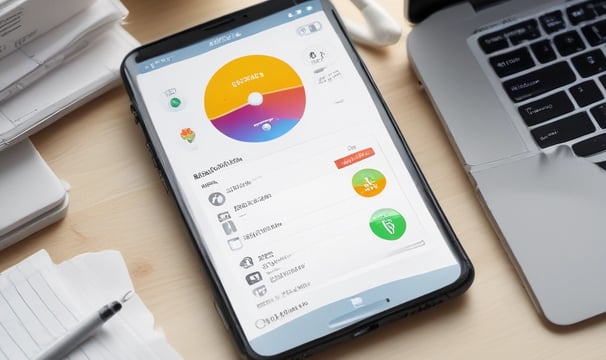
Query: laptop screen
<point x="417" y="10"/>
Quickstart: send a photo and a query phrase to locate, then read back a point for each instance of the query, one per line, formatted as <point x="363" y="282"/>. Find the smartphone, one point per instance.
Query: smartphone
<point x="302" y="198"/>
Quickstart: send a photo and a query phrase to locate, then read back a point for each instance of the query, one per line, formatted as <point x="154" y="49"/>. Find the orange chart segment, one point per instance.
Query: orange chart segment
<point x="255" y="98"/>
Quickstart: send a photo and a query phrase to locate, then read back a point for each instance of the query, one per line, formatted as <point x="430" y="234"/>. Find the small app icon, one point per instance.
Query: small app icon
<point x="229" y="227"/>
<point x="223" y="216"/>
<point x="234" y="244"/>
<point x="316" y="56"/>
<point x="188" y="135"/>
<point x="260" y="291"/>
<point x="216" y="199"/>
<point x="387" y="224"/>
<point x="247" y="262"/>
<point x="172" y="99"/>
<point x="368" y="182"/>
<point x="175" y="102"/>
<point x="253" y="278"/>
<point x="261" y="323"/>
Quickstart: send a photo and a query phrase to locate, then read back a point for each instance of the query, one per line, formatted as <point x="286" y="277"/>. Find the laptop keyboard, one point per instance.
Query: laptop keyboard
<point x="553" y="69"/>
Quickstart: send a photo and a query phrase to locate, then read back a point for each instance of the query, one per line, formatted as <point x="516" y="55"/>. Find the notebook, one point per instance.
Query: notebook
<point x="520" y="88"/>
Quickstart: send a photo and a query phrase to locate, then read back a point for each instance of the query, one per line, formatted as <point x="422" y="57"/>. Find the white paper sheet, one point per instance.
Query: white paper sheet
<point x="65" y="88"/>
<point x="40" y="301"/>
<point x="30" y="62"/>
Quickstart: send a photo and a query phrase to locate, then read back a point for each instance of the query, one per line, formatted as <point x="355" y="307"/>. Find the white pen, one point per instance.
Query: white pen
<point x="85" y="329"/>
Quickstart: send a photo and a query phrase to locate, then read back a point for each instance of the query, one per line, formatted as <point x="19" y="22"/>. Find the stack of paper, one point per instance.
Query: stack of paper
<point x="40" y="301"/>
<point x="24" y="20"/>
<point x="54" y="56"/>
<point x="52" y="72"/>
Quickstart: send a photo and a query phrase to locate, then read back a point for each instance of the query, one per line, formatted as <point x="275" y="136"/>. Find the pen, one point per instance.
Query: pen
<point x="85" y="329"/>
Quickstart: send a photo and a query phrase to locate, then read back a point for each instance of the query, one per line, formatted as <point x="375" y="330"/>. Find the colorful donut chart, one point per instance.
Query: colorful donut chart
<point x="254" y="98"/>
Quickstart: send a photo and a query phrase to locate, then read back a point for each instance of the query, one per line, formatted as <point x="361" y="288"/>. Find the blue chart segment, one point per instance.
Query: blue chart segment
<point x="255" y="98"/>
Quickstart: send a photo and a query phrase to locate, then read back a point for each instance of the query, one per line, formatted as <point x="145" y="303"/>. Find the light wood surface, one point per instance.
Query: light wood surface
<point x="118" y="202"/>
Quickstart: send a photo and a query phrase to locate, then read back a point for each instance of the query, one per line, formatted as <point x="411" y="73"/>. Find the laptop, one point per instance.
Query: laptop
<point x="520" y="88"/>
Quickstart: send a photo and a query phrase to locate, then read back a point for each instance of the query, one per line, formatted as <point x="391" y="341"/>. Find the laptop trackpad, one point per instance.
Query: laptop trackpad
<point x="550" y="211"/>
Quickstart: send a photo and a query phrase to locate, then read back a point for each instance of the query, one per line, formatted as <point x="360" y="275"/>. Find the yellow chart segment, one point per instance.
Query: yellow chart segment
<point x="229" y="88"/>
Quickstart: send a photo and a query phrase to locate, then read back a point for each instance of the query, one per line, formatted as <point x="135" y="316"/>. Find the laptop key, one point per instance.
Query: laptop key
<point x="580" y="12"/>
<point x="552" y="22"/>
<point x="599" y="114"/>
<point x="586" y="93"/>
<point x="599" y="6"/>
<point x="546" y="108"/>
<point x="563" y="130"/>
<point x="525" y="30"/>
<point x="590" y="63"/>
<point x="595" y="33"/>
<point x="568" y="43"/>
<point x="512" y="62"/>
<point x="492" y="42"/>
<point x="590" y="146"/>
<point x="543" y="51"/>
<point x="539" y="81"/>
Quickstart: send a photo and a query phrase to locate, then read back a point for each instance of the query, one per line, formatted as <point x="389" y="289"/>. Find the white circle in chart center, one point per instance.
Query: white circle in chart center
<point x="255" y="98"/>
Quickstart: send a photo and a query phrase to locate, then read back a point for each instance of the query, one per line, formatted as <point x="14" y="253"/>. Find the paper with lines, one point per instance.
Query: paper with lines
<point x="40" y="301"/>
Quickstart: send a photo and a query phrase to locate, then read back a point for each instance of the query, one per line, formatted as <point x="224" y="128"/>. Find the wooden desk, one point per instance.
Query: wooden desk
<point x="118" y="202"/>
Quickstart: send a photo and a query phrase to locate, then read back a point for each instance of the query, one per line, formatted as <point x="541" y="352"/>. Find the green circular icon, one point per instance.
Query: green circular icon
<point x="175" y="102"/>
<point x="387" y="224"/>
<point x="368" y="182"/>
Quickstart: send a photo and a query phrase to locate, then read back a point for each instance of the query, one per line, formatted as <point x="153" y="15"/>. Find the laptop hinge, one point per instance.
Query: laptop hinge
<point x="482" y="4"/>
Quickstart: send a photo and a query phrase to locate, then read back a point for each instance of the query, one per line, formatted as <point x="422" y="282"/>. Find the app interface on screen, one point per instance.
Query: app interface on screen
<point x="297" y="190"/>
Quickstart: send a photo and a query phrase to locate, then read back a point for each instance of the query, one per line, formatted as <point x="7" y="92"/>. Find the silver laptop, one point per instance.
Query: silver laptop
<point x="520" y="88"/>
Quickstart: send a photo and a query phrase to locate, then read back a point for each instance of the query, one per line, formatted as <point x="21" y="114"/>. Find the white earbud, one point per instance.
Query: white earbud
<point x="382" y="29"/>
